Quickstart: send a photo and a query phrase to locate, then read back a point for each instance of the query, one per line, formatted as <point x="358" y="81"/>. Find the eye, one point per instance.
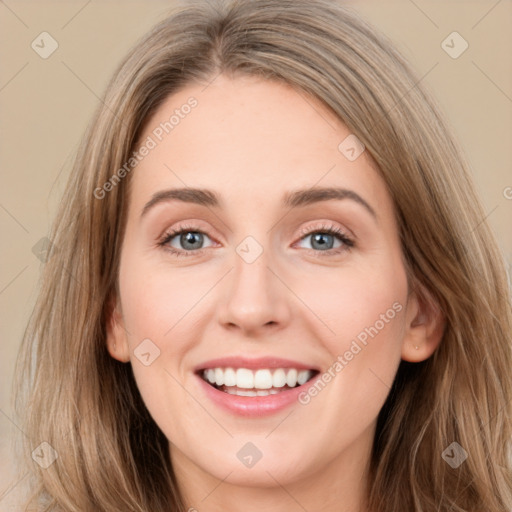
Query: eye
<point x="323" y="238"/>
<point x="191" y="238"/>
<point x="189" y="241"/>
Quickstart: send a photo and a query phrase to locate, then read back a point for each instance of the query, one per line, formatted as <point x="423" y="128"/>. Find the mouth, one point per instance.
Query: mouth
<point x="255" y="382"/>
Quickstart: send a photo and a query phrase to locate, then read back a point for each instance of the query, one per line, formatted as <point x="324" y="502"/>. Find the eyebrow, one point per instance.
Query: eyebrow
<point x="293" y="199"/>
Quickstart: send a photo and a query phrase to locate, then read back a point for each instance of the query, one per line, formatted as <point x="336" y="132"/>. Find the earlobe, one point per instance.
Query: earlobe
<point x="425" y="323"/>
<point x="117" y="342"/>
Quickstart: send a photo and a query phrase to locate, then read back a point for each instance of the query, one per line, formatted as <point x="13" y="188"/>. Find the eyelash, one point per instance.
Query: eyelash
<point x="330" y="229"/>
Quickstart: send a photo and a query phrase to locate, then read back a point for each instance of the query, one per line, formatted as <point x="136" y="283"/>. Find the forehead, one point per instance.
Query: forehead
<point x="249" y="139"/>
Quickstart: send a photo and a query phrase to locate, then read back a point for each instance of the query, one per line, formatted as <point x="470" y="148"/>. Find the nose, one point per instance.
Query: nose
<point x="255" y="300"/>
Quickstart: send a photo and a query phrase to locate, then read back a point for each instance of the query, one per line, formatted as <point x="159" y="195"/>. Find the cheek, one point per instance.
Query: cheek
<point x="156" y="300"/>
<point x="363" y="308"/>
<point x="358" y="302"/>
<point x="158" y="307"/>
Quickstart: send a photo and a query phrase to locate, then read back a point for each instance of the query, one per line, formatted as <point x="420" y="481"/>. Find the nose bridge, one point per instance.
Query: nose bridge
<point x="254" y="296"/>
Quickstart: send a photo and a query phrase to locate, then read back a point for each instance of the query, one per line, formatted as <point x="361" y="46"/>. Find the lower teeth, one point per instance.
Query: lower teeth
<point x="233" y="390"/>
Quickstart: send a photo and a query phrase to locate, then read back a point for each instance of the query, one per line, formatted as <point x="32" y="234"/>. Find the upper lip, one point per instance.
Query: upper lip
<point x="253" y="363"/>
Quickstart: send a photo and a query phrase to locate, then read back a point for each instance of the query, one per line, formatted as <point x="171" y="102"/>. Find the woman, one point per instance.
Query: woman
<point x="253" y="372"/>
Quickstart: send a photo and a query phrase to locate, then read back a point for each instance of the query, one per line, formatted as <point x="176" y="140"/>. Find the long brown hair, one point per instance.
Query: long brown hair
<point x="85" y="404"/>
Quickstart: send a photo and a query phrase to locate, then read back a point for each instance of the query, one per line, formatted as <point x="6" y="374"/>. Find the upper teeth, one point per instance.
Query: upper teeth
<point x="259" y="379"/>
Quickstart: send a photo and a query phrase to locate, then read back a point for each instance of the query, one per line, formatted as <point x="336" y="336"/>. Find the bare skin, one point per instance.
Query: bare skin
<point x="251" y="141"/>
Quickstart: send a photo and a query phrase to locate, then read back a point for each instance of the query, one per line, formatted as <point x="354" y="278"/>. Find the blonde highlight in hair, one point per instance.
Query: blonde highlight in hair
<point x="72" y="394"/>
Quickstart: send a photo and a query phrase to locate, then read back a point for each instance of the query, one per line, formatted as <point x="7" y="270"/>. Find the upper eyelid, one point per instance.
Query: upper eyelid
<point x="304" y="232"/>
<point x="192" y="226"/>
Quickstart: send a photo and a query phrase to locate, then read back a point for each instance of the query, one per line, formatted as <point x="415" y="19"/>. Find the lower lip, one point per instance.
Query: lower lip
<point x="255" y="406"/>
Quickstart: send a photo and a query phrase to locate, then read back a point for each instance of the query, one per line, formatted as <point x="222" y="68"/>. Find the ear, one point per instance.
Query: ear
<point x="424" y="327"/>
<point x="117" y="341"/>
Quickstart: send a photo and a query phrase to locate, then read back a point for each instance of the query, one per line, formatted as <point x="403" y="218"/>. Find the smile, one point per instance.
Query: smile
<point x="261" y="382"/>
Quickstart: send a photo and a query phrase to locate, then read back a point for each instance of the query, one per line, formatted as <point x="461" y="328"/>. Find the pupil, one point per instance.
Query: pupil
<point x="189" y="237"/>
<point x="317" y="238"/>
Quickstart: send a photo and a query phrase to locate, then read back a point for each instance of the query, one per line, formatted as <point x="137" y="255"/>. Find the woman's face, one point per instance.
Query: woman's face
<point x="257" y="274"/>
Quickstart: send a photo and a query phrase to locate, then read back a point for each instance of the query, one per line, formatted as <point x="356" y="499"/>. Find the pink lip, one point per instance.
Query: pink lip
<point x="253" y="363"/>
<point x="255" y="406"/>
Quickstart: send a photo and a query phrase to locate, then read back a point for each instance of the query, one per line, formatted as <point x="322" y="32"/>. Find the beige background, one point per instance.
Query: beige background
<point x="46" y="103"/>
